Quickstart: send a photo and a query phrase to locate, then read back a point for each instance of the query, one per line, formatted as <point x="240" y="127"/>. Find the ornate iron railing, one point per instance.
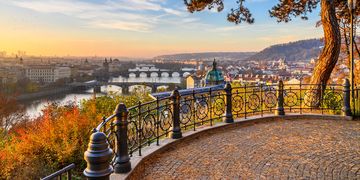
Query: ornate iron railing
<point x="58" y="174"/>
<point x="119" y="136"/>
<point x="357" y="102"/>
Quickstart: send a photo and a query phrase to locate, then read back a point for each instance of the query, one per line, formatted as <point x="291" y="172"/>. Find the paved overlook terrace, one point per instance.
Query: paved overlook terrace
<point x="278" y="149"/>
<point x="249" y="132"/>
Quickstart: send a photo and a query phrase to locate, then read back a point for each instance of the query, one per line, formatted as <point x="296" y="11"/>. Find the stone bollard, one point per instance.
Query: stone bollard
<point x="346" y="94"/>
<point x="280" y="104"/>
<point x="98" y="157"/>
<point x="228" y="109"/>
<point x="122" y="162"/>
<point x="176" y="132"/>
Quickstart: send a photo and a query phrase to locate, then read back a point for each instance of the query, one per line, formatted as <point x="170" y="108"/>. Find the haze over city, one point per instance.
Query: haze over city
<point x="139" y="28"/>
<point x="174" y="89"/>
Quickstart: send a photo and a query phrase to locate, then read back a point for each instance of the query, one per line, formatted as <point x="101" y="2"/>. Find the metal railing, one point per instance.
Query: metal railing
<point x="356" y="109"/>
<point x="129" y="130"/>
<point x="58" y="174"/>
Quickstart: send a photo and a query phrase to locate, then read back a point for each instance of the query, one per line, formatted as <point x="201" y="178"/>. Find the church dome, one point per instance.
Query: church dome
<point x="214" y="76"/>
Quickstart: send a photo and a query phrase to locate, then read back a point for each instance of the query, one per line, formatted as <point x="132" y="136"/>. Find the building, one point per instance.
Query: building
<point x="193" y="81"/>
<point x="47" y="73"/>
<point x="214" y="76"/>
<point x="293" y="81"/>
<point x="114" y="66"/>
<point x="7" y="76"/>
<point x="11" y="74"/>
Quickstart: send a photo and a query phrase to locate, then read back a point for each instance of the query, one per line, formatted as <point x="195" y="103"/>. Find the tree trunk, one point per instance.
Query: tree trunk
<point x="346" y="44"/>
<point x="329" y="54"/>
<point x="356" y="48"/>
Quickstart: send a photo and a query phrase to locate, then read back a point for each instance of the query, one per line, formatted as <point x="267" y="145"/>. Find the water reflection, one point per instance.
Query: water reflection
<point x="33" y="108"/>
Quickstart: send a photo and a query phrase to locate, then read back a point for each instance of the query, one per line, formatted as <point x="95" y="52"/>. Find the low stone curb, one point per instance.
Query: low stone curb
<point x="167" y="143"/>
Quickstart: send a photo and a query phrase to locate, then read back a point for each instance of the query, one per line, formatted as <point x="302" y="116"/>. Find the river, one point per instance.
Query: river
<point x="34" y="108"/>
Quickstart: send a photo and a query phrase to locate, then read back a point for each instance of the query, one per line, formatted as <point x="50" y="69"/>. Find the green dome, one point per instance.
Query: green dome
<point x="214" y="76"/>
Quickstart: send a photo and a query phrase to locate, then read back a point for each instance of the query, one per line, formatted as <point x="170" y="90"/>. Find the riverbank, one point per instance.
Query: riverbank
<point x="43" y="94"/>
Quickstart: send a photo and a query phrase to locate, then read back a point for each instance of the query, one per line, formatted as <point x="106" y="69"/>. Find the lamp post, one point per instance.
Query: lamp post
<point x="352" y="6"/>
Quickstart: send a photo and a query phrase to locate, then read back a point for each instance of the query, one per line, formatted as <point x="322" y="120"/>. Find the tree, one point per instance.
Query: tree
<point x="34" y="149"/>
<point x="10" y="112"/>
<point x="343" y="17"/>
<point x="331" y="11"/>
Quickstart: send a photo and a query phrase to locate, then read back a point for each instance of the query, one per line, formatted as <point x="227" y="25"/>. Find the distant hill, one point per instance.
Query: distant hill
<point x="293" y="51"/>
<point x="208" y="56"/>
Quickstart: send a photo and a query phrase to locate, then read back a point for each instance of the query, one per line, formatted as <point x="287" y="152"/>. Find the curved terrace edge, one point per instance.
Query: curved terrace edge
<point x="137" y="161"/>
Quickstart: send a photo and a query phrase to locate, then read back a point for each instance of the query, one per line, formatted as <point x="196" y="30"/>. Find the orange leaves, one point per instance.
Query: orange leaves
<point x="57" y="138"/>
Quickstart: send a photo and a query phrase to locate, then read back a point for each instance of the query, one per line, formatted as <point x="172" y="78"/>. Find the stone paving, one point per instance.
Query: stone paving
<point x="282" y="149"/>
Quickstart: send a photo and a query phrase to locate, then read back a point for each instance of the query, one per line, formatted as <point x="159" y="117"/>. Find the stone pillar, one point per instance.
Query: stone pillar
<point x="280" y="104"/>
<point x="176" y="134"/>
<point x="228" y="108"/>
<point x="125" y="89"/>
<point x="153" y="89"/>
<point x="346" y="94"/>
<point x="97" y="89"/>
<point x="122" y="162"/>
<point x="98" y="157"/>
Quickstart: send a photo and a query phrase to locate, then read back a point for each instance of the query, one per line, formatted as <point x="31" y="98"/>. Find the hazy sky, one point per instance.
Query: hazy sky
<point x="139" y="28"/>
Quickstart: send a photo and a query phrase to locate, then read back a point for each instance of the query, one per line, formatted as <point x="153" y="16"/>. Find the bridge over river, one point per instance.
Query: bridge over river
<point x="125" y="85"/>
<point x="149" y="70"/>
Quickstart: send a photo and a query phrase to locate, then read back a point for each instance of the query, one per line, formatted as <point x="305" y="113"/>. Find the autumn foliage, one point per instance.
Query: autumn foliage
<point x="34" y="149"/>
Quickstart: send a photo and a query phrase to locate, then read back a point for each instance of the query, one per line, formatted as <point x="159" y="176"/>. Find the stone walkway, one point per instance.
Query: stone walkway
<point x="303" y="149"/>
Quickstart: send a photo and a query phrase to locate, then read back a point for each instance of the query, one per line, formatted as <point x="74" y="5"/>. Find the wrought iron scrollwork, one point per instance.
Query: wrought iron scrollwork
<point x="201" y="108"/>
<point x="165" y="118"/>
<point x="218" y="103"/>
<point x="237" y="103"/>
<point x="186" y="110"/>
<point x="254" y="102"/>
<point x="291" y="99"/>
<point x="312" y="98"/>
<point x="270" y="99"/>
<point x="148" y="122"/>
<point x="333" y="100"/>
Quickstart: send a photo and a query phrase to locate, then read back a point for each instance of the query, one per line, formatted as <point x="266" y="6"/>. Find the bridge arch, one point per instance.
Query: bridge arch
<point x="139" y="88"/>
<point x="132" y="75"/>
<point x="143" y="74"/>
<point x="165" y="74"/>
<point x="185" y="74"/>
<point x="154" y="74"/>
<point x="175" y="74"/>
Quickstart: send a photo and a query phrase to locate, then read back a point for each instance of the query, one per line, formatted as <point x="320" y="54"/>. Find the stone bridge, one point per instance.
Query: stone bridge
<point x="124" y="85"/>
<point x="157" y="73"/>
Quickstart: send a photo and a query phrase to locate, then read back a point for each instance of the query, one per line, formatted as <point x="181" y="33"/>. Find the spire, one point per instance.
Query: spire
<point x="214" y="64"/>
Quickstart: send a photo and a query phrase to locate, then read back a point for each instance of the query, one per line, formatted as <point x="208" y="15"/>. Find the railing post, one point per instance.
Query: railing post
<point x="122" y="162"/>
<point x="228" y="111"/>
<point x="346" y="94"/>
<point x="176" y="132"/>
<point x="98" y="157"/>
<point x="280" y="104"/>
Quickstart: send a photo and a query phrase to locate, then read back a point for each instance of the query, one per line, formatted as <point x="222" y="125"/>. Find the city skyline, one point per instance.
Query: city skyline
<point x="139" y="28"/>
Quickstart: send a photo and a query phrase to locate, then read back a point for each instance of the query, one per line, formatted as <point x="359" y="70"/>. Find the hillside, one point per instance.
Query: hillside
<point x="293" y="51"/>
<point x="208" y="56"/>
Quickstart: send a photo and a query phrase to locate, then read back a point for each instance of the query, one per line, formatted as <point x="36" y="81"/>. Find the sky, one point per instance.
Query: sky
<point x="139" y="28"/>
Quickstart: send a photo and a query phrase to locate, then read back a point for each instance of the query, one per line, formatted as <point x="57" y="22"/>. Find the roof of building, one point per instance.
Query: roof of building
<point x="214" y="75"/>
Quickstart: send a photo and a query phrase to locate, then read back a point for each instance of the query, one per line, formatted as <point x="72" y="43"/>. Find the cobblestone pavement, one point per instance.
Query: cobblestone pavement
<point x="283" y="149"/>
